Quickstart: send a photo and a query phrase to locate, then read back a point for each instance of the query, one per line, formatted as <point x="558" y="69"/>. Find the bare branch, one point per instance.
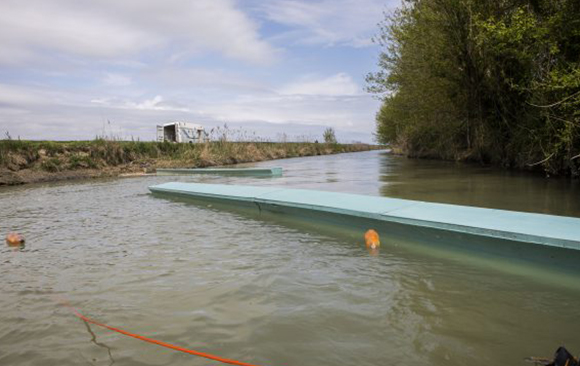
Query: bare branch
<point x="541" y="161"/>
<point x="554" y="104"/>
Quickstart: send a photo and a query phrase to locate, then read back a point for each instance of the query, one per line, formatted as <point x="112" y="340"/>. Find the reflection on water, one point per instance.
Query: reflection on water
<point x="272" y="292"/>
<point x="430" y="180"/>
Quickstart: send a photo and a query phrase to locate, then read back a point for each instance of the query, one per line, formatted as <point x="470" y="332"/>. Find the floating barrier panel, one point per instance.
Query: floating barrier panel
<point x="546" y="230"/>
<point x="258" y="172"/>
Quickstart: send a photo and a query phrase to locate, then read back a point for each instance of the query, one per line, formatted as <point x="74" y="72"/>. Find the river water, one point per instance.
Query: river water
<point x="269" y="292"/>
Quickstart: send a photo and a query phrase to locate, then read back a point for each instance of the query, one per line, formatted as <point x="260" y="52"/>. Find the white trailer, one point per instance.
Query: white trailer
<point x="181" y="132"/>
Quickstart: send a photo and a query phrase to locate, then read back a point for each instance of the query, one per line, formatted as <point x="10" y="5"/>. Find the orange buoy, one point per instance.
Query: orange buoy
<point x="372" y="239"/>
<point x="14" y="239"/>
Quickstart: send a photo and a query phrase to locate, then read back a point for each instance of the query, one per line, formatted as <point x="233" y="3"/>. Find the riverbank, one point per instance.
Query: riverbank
<point x="572" y="169"/>
<point x="24" y="162"/>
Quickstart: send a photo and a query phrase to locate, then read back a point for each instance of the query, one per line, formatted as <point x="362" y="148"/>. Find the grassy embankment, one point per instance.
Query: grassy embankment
<point x="41" y="161"/>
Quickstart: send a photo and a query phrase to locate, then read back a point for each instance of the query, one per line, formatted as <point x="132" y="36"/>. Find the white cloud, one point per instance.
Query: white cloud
<point x="329" y="22"/>
<point x="111" y="29"/>
<point x="339" y="84"/>
<point x="157" y="103"/>
<point x="38" y="112"/>
<point x="343" y="112"/>
<point x="116" y="79"/>
<point x="14" y="95"/>
<point x="67" y="65"/>
<point x="225" y="81"/>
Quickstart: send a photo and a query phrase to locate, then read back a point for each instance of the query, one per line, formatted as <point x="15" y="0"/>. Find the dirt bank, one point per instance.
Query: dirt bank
<point x="24" y="162"/>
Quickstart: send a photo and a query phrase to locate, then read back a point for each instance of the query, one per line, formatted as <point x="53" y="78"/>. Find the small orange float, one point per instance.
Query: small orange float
<point x="14" y="239"/>
<point x="372" y="239"/>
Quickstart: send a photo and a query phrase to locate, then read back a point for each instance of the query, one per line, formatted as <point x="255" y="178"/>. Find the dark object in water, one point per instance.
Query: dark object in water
<point x="561" y="358"/>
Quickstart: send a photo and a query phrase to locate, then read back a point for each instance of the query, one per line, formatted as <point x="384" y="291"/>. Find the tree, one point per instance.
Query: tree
<point x="485" y="80"/>
<point x="329" y="136"/>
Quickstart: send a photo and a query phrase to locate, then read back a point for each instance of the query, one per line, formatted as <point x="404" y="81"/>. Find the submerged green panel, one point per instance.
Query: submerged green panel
<point x="555" y="231"/>
<point x="226" y="192"/>
<point x="223" y="171"/>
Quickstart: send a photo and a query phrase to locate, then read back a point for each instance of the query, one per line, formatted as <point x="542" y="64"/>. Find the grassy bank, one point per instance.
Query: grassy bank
<point x="41" y="161"/>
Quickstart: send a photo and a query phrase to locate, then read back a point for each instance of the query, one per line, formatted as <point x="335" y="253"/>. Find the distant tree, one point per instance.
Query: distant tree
<point x="329" y="136"/>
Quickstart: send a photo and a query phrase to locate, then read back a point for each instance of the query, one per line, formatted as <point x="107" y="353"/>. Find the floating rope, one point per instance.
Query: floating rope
<point x="154" y="341"/>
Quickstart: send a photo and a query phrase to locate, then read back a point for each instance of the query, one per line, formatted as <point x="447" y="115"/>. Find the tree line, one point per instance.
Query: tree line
<point x="493" y="81"/>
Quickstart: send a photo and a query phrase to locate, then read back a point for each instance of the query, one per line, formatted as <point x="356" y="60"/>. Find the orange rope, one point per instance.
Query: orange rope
<point x="160" y="343"/>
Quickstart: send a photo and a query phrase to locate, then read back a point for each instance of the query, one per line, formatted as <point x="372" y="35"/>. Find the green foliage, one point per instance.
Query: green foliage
<point x="79" y="161"/>
<point x="329" y="136"/>
<point x="492" y="81"/>
<point x="52" y="165"/>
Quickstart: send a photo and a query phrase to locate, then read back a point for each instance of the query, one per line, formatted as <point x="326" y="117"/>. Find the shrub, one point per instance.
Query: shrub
<point x="52" y="165"/>
<point x="329" y="136"/>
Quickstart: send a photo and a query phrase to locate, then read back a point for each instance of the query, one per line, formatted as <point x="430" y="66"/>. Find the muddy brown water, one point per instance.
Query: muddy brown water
<point x="270" y="292"/>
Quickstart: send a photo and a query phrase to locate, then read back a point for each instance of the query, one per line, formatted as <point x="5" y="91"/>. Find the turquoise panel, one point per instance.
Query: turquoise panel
<point x="340" y="203"/>
<point x="529" y="227"/>
<point x="556" y="231"/>
<point x="227" y="192"/>
<point x="224" y="171"/>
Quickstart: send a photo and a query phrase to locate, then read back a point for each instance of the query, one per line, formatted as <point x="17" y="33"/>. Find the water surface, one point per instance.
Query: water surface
<point x="271" y="292"/>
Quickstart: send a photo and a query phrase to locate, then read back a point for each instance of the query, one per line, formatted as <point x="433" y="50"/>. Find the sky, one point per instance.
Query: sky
<point x="279" y="69"/>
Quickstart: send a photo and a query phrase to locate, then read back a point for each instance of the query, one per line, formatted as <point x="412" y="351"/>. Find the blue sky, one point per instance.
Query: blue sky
<point x="70" y="67"/>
